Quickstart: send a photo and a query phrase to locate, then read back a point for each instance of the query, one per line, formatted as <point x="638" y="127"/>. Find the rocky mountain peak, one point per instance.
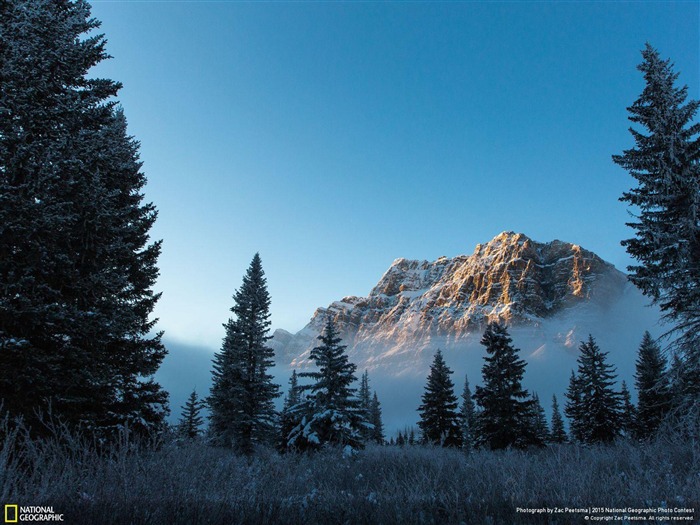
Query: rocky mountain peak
<point x="511" y="278"/>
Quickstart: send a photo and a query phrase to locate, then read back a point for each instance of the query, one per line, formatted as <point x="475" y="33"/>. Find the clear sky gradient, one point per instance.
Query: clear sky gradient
<point x="335" y="137"/>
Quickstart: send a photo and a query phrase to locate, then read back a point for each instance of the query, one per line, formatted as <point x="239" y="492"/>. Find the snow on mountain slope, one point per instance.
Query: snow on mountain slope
<point x="552" y="295"/>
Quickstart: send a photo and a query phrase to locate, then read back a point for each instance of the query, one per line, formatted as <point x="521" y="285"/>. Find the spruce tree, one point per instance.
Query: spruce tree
<point x="330" y="413"/>
<point x="600" y="408"/>
<point x="467" y="416"/>
<point x="411" y="437"/>
<point x="288" y="418"/>
<point x="628" y="418"/>
<point x="676" y="383"/>
<point x="76" y="266"/>
<point x="375" y="418"/>
<point x="664" y="162"/>
<point x="400" y="439"/>
<point x="191" y="419"/>
<point x="558" y="434"/>
<point x="539" y="433"/>
<point x="242" y="394"/>
<point x="505" y="416"/>
<point x="652" y="384"/>
<point x="366" y="405"/>
<point x="574" y="409"/>
<point x="439" y="421"/>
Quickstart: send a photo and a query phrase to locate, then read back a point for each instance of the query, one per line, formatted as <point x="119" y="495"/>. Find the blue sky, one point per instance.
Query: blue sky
<point x="335" y="137"/>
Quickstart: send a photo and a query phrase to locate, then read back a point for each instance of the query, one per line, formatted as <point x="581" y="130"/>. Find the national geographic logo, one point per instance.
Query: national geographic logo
<point x="17" y="514"/>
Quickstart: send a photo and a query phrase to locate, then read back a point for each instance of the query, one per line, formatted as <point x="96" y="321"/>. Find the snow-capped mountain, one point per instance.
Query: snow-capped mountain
<point x="418" y="303"/>
<point x="552" y="295"/>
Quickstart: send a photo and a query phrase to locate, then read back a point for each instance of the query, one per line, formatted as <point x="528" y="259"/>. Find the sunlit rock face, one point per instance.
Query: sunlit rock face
<point x="418" y="304"/>
<point x="552" y="296"/>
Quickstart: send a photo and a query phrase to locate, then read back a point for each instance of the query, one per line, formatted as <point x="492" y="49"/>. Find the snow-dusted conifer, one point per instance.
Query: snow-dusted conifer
<point x="467" y="416"/>
<point x="288" y="418"/>
<point x="540" y="435"/>
<point x="365" y="398"/>
<point x="242" y="394"/>
<point x="676" y="382"/>
<point x="375" y="418"/>
<point x="557" y="434"/>
<point x="76" y="266"/>
<point x="505" y="416"/>
<point x="652" y="384"/>
<point x="664" y="162"/>
<point x="330" y="413"/>
<point x="191" y="420"/>
<point x="574" y="409"/>
<point x="293" y="397"/>
<point x="628" y="416"/>
<point x="600" y="407"/>
<point x="439" y="421"/>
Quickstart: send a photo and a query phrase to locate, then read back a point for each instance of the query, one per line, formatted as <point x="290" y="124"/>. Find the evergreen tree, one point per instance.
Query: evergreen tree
<point x="652" y="384"/>
<point x="628" y="419"/>
<point x="366" y="405"/>
<point x="288" y="418"/>
<point x="242" y="394"/>
<point x="505" y="418"/>
<point x="467" y="416"/>
<point x="665" y="164"/>
<point x="76" y="266"/>
<point x="599" y="410"/>
<point x="375" y="418"/>
<point x="330" y="414"/>
<point x="540" y="435"/>
<point x="676" y="381"/>
<point x="293" y="397"/>
<point x="412" y="437"/>
<point x="439" y="421"/>
<point x="400" y="439"/>
<point x="574" y="409"/>
<point x="558" y="434"/>
<point x="191" y="419"/>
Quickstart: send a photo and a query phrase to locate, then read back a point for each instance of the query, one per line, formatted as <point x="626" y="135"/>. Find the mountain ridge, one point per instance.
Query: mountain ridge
<point x="511" y="278"/>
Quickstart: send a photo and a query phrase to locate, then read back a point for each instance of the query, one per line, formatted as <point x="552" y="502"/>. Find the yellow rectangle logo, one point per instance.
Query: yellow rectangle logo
<point x="11" y="513"/>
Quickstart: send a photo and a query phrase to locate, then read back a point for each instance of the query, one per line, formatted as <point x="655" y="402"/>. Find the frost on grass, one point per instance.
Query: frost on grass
<point x="410" y="484"/>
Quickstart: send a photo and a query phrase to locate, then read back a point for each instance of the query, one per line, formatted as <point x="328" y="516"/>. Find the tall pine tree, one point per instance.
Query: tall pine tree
<point x="539" y="434"/>
<point x="664" y="162"/>
<point x="595" y="405"/>
<point x="558" y="434"/>
<point x="439" y="421"/>
<point x="288" y="418"/>
<point x="628" y="418"/>
<point x="505" y="416"/>
<point x="191" y="420"/>
<point x="375" y="418"/>
<point x="574" y="409"/>
<point x="242" y="394"/>
<point x="76" y="266"/>
<point x="366" y="405"/>
<point x="652" y="384"/>
<point x="677" y="381"/>
<point x="330" y="414"/>
<point x="467" y="416"/>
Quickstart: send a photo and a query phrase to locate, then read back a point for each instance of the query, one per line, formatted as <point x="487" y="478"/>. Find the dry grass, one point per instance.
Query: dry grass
<point x="196" y="484"/>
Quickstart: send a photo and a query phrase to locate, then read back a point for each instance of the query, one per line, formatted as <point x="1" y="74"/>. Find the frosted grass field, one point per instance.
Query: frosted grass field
<point x="193" y="483"/>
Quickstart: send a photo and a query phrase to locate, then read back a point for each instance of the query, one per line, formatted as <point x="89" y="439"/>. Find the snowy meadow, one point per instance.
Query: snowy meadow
<point x="188" y="482"/>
